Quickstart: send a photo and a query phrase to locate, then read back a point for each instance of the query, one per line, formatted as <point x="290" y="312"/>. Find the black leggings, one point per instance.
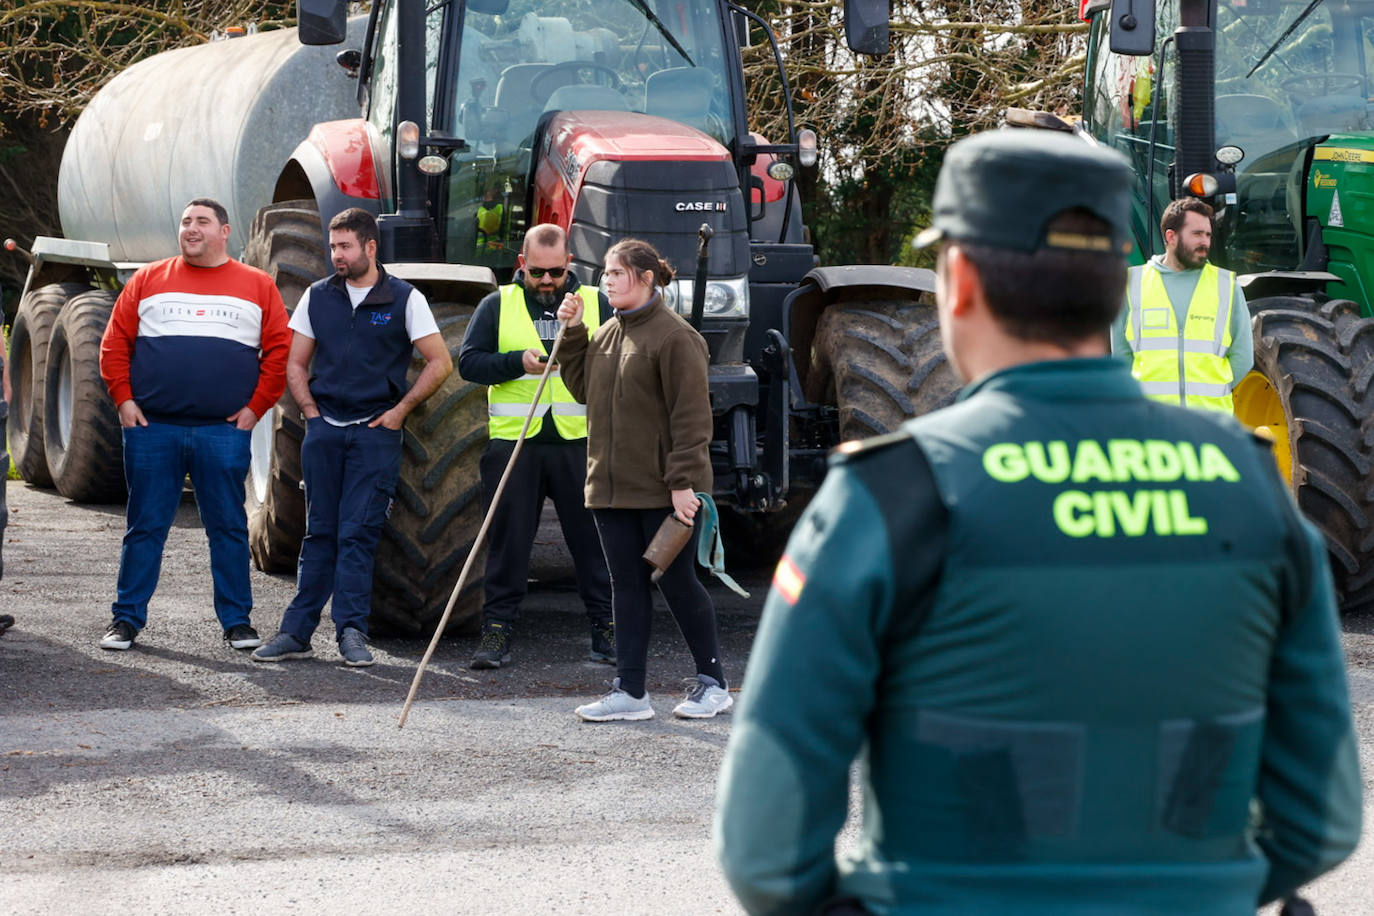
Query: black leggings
<point x="625" y="534"/>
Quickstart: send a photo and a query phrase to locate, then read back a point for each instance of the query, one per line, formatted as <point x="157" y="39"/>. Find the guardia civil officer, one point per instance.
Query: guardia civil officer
<point x="1184" y="327"/>
<point x="1083" y="641"/>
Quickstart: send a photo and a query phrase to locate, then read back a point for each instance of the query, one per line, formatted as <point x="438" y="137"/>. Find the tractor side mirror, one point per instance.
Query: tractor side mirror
<point x="866" y="26"/>
<point x="1133" y="27"/>
<point x="321" y="22"/>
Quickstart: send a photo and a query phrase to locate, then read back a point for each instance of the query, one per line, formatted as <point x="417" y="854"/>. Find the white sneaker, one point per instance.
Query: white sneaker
<point x="616" y="705"/>
<point x="705" y="698"/>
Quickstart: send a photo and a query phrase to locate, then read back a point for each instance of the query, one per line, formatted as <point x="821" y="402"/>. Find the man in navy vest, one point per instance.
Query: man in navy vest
<point x="359" y="326"/>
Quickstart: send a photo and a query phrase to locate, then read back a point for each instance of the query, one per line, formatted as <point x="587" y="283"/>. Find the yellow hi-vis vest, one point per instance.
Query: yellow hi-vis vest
<point x="509" y="402"/>
<point x="489" y="226"/>
<point x="1187" y="367"/>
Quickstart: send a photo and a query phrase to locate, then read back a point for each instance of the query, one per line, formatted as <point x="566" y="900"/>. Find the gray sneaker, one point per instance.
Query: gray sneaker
<point x="705" y="698"/>
<point x="616" y="705"/>
<point x="353" y="648"/>
<point x="281" y="647"/>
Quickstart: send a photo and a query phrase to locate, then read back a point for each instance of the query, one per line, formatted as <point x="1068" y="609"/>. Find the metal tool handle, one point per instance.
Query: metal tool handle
<point x="486" y="523"/>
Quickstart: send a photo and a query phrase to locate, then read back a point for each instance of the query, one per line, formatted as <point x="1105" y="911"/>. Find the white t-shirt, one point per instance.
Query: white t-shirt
<point x="419" y="318"/>
<point x="419" y="323"/>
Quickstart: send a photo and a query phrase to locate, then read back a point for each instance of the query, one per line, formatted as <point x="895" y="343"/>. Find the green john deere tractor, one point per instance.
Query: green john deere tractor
<point x="1263" y="108"/>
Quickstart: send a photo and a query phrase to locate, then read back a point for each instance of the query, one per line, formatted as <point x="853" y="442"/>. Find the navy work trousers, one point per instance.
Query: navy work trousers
<point x="350" y="477"/>
<point x="557" y="470"/>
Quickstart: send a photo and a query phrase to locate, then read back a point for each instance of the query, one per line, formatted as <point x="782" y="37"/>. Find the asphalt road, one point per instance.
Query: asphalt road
<point x="182" y="778"/>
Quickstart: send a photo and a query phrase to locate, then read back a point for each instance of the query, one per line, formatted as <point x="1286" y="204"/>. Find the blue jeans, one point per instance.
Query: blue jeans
<point x="350" y="477"/>
<point x="157" y="458"/>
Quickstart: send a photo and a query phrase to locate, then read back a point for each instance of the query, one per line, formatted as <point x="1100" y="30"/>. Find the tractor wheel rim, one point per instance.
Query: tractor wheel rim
<point x="23" y="390"/>
<point x="260" y="466"/>
<point x="1259" y="407"/>
<point x="65" y="397"/>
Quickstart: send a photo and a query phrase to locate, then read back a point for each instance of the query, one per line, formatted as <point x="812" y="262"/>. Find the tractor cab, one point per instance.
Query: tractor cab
<point x="1289" y="74"/>
<point x="497" y="71"/>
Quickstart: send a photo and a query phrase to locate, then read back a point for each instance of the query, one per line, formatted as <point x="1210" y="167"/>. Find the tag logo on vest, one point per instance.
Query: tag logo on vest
<point x="381" y="318"/>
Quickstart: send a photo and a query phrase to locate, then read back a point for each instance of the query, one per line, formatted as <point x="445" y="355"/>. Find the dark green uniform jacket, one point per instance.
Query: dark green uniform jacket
<point x="1073" y="634"/>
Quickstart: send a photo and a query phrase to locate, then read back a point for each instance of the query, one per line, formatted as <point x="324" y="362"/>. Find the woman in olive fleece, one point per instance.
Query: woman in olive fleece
<point x="643" y="379"/>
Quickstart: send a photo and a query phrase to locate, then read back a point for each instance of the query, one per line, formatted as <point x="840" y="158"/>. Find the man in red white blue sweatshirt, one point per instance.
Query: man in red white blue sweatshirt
<point x="194" y="355"/>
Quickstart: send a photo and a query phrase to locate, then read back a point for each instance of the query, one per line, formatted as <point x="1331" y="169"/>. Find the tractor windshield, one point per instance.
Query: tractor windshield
<point x="1287" y="73"/>
<point x="1310" y="83"/>
<point x="659" y="57"/>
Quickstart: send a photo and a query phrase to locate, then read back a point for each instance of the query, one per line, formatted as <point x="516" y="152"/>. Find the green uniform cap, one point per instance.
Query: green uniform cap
<point x="1000" y="188"/>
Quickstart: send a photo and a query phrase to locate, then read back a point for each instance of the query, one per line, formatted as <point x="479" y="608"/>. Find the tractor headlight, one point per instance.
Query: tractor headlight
<point x="724" y="298"/>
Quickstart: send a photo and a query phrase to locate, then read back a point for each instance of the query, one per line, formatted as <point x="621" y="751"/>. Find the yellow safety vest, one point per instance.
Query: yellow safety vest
<point x="489" y="226"/>
<point x="1187" y="367"/>
<point x="509" y="402"/>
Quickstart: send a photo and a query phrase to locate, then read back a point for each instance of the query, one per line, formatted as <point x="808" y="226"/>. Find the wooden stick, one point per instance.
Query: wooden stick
<point x="486" y="523"/>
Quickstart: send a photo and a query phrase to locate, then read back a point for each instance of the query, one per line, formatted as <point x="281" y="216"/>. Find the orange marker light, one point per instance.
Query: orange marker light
<point x="1200" y="184"/>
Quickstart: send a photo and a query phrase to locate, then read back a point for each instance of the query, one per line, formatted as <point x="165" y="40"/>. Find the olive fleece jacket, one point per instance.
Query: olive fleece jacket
<point x="643" y="379"/>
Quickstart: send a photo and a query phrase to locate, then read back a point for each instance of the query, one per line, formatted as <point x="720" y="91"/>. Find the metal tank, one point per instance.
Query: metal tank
<point x="215" y="120"/>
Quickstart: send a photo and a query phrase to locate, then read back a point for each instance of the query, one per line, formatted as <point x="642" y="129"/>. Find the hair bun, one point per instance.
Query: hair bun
<point x="665" y="272"/>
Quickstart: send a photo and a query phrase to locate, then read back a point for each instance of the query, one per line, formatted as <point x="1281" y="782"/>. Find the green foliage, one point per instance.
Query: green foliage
<point x="870" y="217"/>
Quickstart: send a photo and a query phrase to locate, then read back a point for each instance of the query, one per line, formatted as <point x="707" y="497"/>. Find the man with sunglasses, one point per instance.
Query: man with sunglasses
<point x="506" y="347"/>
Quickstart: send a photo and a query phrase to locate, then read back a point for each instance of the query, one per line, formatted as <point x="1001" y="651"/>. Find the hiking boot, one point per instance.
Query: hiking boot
<point x="705" y="698"/>
<point x="242" y="636"/>
<point x="120" y="635"/>
<point x="281" y="647"/>
<point x="353" y="648"/>
<point x="603" y="643"/>
<point x="616" y="705"/>
<point x="494" y="649"/>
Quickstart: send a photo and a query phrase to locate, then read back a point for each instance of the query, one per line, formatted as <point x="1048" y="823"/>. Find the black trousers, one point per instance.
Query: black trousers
<point x="625" y="534"/>
<point x="557" y="470"/>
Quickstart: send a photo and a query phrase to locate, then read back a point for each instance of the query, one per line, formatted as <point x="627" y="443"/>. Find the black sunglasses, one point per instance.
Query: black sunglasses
<point x="538" y="272"/>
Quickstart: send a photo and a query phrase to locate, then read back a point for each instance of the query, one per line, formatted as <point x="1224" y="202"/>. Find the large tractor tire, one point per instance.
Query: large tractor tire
<point x="29" y="337"/>
<point x="286" y="242"/>
<point x="1311" y="391"/>
<point x="81" y="435"/>
<point x="884" y="362"/>
<point x="880" y="363"/>
<point x="438" y="508"/>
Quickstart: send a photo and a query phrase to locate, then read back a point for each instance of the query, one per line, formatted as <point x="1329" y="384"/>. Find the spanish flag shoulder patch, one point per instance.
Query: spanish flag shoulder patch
<point x="788" y="581"/>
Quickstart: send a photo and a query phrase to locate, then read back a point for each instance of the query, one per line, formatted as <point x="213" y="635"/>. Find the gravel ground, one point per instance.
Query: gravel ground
<point x="183" y="778"/>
